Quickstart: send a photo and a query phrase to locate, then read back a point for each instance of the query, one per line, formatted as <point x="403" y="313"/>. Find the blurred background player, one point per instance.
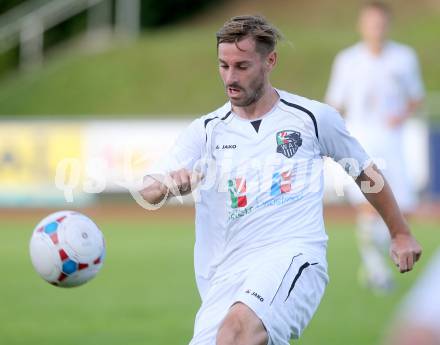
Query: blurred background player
<point x="376" y="84"/>
<point x="418" y="319"/>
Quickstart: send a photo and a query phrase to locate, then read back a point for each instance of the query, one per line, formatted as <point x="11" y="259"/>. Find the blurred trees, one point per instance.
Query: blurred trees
<point x="6" y="5"/>
<point x="156" y="13"/>
<point x="153" y="14"/>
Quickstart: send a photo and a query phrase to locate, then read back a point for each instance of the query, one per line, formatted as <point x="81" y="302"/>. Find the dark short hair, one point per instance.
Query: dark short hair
<point x="237" y="28"/>
<point x="378" y="5"/>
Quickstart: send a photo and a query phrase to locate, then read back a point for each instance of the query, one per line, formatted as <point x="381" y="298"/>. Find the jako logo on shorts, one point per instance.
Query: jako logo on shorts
<point x="253" y="293"/>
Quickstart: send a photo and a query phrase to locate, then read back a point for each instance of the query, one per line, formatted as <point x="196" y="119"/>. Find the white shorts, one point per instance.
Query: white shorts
<point x="385" y="147"/>
<point x="283" y="292"/>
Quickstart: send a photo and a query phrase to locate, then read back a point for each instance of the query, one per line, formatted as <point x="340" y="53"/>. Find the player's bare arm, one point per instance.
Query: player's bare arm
<point x="410" y="110"/>
<point x="176" y="183"/>
<point x="404" y="249"/>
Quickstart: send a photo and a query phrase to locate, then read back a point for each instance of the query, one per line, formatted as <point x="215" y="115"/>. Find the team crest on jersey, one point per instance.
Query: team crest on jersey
<point x="288" y="142"/>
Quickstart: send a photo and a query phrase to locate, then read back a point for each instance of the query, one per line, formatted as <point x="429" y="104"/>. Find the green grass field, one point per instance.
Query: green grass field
<point x="146" y="293"/>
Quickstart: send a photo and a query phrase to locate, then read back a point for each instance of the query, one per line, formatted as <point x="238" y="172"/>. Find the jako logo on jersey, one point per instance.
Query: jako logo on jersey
<point x="252" y="293"/>
<point x="237" y="191"/>
<point x="281" y="183"/>
<point x="225" y="147"/>
<point x="288" y="142"/>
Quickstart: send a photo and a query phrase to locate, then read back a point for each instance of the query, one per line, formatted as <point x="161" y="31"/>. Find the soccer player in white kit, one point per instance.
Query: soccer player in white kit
<point x="260" y="251"/>
<point x="377" y="85"/>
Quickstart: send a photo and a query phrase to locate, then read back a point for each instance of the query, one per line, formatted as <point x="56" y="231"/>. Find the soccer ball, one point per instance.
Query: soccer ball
<point x="67" y="249"/>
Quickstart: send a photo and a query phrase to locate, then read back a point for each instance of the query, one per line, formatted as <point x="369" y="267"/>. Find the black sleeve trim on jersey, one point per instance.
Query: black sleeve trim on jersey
<point x="216" y="117"/>
<point x="308" y="112"/>
<point x="301" y="269"/>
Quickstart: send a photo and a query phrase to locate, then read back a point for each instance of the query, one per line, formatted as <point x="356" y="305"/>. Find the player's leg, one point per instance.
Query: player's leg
<point x="241" y="326"/>
<point x="373" y="241"/>
<point x="217" y="300"/>
<point x="373" y="234"/>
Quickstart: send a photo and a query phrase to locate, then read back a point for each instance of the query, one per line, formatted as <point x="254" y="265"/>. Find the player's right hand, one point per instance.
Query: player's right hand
<point x="405" y="251"/>
<point x="182" y="182"/>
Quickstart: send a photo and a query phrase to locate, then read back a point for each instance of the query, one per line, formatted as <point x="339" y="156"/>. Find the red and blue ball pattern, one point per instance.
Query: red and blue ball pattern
<point x="69" y="266"/>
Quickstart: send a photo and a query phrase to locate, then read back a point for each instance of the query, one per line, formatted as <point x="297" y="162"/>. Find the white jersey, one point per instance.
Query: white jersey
<point x="373" y="88"/>
<point x="263" y="185"/>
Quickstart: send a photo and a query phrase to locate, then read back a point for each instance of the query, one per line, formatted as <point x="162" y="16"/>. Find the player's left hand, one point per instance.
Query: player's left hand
<point x="405" y="251"/>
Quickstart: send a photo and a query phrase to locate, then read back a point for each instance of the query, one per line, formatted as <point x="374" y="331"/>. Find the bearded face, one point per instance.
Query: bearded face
<point x="243" y="71"/>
